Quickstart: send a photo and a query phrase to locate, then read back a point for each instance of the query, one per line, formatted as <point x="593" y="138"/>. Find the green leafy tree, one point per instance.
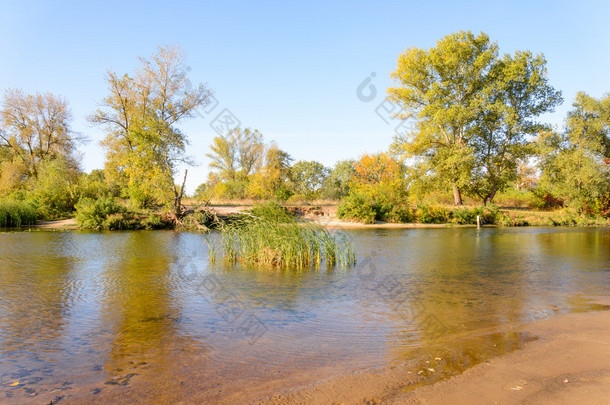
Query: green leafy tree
<point x="336" y="185"/>
<point x="55" y="191"/>
<point x="473" y="111"/>
<point x="144" y="145"/>
<point x="94" y="185"/>
<point x="307" y="178"/>
<point x="576" y="163"/>
<point x="589" y="123"/>
<point x="517" y="93"/>
<point x="441" y="88"/>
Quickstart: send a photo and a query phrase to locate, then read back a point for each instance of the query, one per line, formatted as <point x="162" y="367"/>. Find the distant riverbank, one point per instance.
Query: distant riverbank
<point x="326" y="215"/>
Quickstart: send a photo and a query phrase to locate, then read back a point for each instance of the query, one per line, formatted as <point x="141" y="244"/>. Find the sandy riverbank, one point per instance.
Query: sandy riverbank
<point x="568" y="363"/>
<point x="63" y="224"/>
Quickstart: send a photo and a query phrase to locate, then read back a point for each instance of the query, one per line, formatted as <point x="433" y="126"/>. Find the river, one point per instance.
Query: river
<point x="146" y="317"/>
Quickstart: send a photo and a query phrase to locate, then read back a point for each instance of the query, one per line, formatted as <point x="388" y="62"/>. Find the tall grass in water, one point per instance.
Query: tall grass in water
<point x="13" y="214"/>
<point x="264" y="242"/>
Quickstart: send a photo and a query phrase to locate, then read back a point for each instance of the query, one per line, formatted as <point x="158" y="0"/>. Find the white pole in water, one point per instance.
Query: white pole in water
<point x="478" y="221"/>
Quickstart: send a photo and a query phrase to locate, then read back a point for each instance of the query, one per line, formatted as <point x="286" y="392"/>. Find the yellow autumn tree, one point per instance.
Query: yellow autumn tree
<point x="144" y="145"/>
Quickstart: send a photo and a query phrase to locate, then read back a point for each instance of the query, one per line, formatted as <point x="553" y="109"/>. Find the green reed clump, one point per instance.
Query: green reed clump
<point x="13" y="214"/>
<point x="263" y="242"/>
<point x="272" y="211"/>
<point x="211" y="248"/>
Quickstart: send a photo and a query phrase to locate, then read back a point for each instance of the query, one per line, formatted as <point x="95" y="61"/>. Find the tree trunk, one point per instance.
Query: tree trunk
<point x="491" y="195"/>
<point x="457" y="196"/>
<point x="178" y="199"/>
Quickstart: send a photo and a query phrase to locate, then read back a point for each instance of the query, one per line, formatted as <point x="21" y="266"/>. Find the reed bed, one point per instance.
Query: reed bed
<point x="263" y="242"/>
<point x="14" y="214"/>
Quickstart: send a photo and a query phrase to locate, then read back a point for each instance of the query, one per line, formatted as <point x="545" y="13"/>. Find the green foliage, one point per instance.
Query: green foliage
<point x="237" y="154"/>
<point x="602" y="205"/>
<point x="155" y="221"/>
<point x="94" y="185"/>
<point x="360" y="207"/>
<point x="357" y="207"/>
<point x="144" y="144"/>
<point x="474" y="111"/>
<point x="247" y="168"/>
<point x="399" y="213"/>
<point x="576" y="163"/>
<point x="203" y="192"/>
<point x="516" y="198"/>
<point x="92" y="214"/>
<point x="336" y="185"/>
<point x="121" y="221"/>
<point x="270" y="244"/>
<point x="36" y="129"/>
<point x="427" y="214"/>
<point x="106" y="213"/>
<point x="588" y="123"/>
<point x="512" y="218"/>
<point x="198" y="220"/>
<point x="307" y="178"/>
<point x="55" y="190"/>
<point x="271" y="180"/>
<point x="491" y="214"/>
<point x="464" y="216"/>
<point x="543" y="200"/>
<point x="282" y="193"/>
<point x="377" y="191"/>
<point x="231" y="189"/>
<point x="14" y="214"/>
<point x="271" y="211"/>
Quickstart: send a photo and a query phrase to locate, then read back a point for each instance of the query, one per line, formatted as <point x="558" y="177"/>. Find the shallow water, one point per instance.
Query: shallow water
<point x="144" y="315"/>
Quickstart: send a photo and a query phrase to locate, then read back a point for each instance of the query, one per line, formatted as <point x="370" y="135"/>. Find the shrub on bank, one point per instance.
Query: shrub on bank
<point x="357" y="207"/>
<point x="14" y="214"/>
<point x="400" y="213"/>
<point x="465" y="215"/>
<point x="154" y="221"/>
<point x="54" y="191"/>
<point x="429" y="214"/>
<point x="93" y="214"/>
<point x="366" y="208"/>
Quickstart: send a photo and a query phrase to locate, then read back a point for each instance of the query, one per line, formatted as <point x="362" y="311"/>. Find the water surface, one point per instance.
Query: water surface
<point x="144" y="315"/>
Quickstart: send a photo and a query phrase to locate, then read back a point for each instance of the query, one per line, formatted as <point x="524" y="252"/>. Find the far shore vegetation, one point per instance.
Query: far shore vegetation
<point x="477" y="147"/>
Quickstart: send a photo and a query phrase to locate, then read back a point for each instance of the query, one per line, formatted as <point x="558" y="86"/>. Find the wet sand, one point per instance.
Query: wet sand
<point x="568" y="363"/>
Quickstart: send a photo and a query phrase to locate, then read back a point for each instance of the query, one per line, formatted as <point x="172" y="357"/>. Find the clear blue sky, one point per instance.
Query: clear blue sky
<point x="287" y="68"/>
